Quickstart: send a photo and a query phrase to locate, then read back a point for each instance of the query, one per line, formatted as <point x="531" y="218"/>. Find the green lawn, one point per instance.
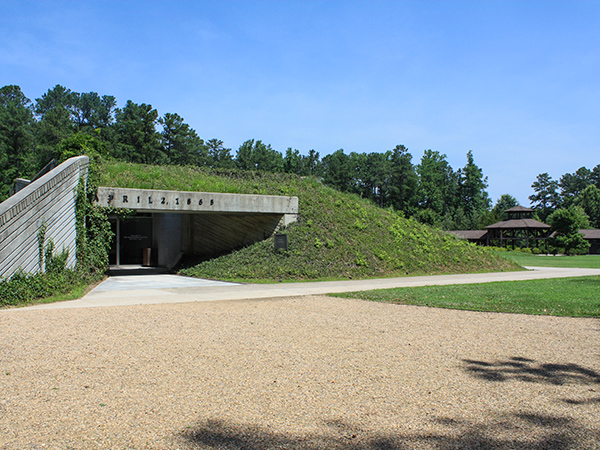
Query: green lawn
<point x="576" y="297"/>
<point x="524" y="259"/>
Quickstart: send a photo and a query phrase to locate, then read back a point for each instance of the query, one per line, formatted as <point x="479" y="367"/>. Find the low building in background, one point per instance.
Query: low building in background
<point x="520" y="230"/>
<point x="593" y="237"/>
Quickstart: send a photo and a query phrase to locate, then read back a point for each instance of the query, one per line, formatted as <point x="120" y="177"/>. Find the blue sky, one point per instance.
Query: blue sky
<point x="516" y="82"/>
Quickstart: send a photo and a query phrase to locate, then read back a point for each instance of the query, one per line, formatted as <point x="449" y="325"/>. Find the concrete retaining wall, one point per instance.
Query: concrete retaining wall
<point x="50" y="200"/>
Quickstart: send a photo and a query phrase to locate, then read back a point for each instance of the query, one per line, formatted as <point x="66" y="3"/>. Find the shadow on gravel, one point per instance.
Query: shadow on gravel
<point x="587" y="401"/>
<point x="518" y="431"/>
<point x="523" y="369"/>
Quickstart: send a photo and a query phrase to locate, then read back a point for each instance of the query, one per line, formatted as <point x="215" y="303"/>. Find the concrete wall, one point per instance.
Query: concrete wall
<point x="214" y="234"/>
<point x="168" y="237"/>
<point x="50" y="200"/>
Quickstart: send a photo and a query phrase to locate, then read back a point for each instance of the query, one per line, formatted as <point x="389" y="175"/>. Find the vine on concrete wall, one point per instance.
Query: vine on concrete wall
<point x="41" y="237"/>
<point x="47" y="260"/>
<point x="94" y="235"/>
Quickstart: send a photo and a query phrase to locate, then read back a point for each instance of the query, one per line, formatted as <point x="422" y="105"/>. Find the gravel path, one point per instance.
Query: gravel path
<point x="306" y="372"/>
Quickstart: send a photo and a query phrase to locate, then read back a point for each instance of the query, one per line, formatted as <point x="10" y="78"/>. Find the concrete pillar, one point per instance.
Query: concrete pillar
<point x="168" y="238"/>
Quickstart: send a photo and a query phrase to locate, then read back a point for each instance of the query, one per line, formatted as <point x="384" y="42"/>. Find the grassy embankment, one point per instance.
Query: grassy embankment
<point x="337" y="236"/>
<point x="575" y="297"/>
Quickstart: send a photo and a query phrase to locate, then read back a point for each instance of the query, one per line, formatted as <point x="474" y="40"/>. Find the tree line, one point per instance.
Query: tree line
<point x="580" y="189"/>
<point x="61" y="122"/>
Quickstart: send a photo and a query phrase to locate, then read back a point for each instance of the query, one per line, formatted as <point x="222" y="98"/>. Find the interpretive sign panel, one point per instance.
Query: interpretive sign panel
<point x="281" y="242"/>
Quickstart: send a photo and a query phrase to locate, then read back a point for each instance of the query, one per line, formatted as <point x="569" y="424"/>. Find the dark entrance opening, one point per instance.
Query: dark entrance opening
<point x="132" y="240"/>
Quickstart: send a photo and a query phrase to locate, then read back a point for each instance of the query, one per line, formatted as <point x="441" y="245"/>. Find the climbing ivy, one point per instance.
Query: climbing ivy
<point x="93" y="232"/>
<point x="41" y="237"/>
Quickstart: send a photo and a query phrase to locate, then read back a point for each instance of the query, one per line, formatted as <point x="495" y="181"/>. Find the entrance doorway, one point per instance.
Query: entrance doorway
<point x="132" y="241"/>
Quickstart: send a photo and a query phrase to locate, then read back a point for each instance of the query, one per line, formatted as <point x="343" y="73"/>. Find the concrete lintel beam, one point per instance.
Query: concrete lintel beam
<point x="151" y="200"/>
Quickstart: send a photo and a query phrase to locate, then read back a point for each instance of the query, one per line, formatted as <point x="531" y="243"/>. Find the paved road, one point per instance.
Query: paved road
<point x="154" y="289"/>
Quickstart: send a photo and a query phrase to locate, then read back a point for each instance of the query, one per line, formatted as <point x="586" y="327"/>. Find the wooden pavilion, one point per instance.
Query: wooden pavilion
<point x="593" y="237"/>
<point x="519" y="228"/>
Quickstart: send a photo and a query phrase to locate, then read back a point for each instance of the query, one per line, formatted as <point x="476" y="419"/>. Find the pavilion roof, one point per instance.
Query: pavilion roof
<point x="518" y="224"/>
<point x="519" y="208"/>
<point x="469" y="234"/>
<point x="590" y="234"/>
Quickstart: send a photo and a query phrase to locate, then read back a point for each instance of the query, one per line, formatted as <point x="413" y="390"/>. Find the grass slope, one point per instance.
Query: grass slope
<point x="575" y="297"/>
<point x="337" y="235"/>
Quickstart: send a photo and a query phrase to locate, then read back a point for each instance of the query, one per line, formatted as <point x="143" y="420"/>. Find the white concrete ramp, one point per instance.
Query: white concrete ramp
<point x="158" y="281"/>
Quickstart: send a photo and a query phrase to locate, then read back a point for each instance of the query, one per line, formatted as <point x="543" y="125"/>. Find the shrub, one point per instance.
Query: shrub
<point x="55" y="263"/>
<point x="24" y="288"/>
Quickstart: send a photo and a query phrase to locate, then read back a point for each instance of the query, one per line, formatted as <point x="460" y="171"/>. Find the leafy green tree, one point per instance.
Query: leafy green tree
<point x="455" y="220"/>
<point x="595" y="176"/>
<point x="16" y="137"/>
<point x="292" y="161"/>
<point x="357" y="183"/>
<point x="376" y="173"/>
<point x="572" y="184"/>
<point x="255" y="155"/>
<point x="80" y="144"/>
<point x="137" y="138"/>
<point x="428" y="217"/>
<point x="62" y="113"/>
<point x="59" y="97"/>
<point x="337" y="171"/>
<point x="546" y="198"/>
<point x="313" y="163"/>
<point x="448" y="223"/>
<point x="497" y="214"/>
<point x="304" y="165"/>
<point x="403" y="181"/>
<point x="267" y="158"/>
<point x="181" y="143"/>
<point x="244" y="157"/>
<point x="474" y="198"/>
<point x="589" y="201"/>
<point x="93" y="112"/>
<point x="438" y="184"/>
<point x="55" y="110"/>
<point x="566" y="223"/>
<point x="219" y="156"/>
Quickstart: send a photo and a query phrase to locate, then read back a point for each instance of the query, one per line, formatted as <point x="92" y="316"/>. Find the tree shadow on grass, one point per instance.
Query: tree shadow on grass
<point x="517" y="431"/>
<point x="528" y="370"/>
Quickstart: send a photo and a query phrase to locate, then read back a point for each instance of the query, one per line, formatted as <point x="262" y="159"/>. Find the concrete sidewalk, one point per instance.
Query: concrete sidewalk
<point x="155" y="289"/>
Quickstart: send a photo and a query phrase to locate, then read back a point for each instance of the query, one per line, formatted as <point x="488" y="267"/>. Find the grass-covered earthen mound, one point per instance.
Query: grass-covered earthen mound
<point x="337" y="236"/>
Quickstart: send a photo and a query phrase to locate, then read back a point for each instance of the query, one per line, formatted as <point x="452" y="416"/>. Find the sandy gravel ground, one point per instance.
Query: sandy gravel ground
<point x="306" y="372"/>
